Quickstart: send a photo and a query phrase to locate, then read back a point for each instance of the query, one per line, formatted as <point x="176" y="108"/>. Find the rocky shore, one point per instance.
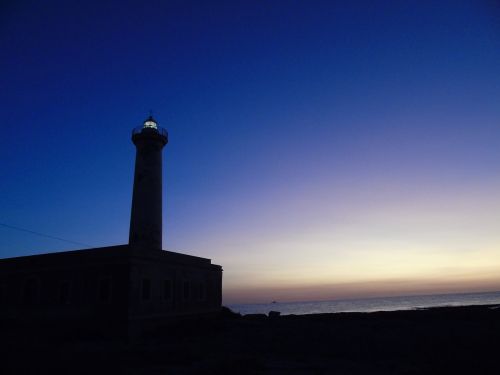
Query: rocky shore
<point x="447" y="340"/>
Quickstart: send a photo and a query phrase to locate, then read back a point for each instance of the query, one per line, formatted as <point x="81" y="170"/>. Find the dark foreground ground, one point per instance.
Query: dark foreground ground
<point x="464" y="340"/>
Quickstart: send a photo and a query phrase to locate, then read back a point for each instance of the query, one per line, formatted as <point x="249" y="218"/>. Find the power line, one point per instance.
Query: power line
<point x="43" y="234"/>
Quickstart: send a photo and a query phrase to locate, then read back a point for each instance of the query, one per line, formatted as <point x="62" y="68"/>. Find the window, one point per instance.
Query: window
<point x="64" y="293"/>
<point x="186" y="290"/>
<point x="105" y="290"/>
<point x="167" y="290"/>
<point x="203" y="293"/>
<point x="146" y="289"/>
<point x="30" y="292"/>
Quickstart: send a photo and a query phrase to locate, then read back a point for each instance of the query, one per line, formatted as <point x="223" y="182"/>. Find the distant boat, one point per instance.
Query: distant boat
<point x="274" y="302"/>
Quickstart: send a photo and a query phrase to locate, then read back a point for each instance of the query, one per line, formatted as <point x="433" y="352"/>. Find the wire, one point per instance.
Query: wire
<point x="43" y="235"/>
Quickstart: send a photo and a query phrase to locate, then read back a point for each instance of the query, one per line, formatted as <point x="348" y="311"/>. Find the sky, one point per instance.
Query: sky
<point x="317" y="149"/>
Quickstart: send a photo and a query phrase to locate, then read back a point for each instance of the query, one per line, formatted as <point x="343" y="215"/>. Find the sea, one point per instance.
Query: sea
<point x="369" y="304"/>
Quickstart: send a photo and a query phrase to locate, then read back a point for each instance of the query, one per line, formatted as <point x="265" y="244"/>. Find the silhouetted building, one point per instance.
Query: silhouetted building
<point x="118" y="288"/>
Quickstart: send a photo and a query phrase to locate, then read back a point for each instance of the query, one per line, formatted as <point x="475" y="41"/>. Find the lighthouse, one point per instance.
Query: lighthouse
<point x="120" y="290"/>
<point x="146" y="216"/>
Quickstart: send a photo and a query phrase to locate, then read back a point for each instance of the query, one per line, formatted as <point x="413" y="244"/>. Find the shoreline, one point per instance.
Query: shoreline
<point x="371" y="304"/>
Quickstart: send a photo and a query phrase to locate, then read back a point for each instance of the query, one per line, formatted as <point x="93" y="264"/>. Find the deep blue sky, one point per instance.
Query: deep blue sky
<point x="307" y="139"/>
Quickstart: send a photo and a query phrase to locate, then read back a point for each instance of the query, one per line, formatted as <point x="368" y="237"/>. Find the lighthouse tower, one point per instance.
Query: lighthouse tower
<point x="146" y="217"/>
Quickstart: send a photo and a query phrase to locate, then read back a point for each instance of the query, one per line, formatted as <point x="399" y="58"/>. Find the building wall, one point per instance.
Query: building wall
<point x="58" y="292"/>
<point x="117" y="281"/>
<point x="163" y="288"/>
<point x="108" y="290"/>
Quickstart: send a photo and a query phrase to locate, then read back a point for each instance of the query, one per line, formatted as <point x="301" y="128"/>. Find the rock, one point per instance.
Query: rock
<point x="255" y="316"/>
